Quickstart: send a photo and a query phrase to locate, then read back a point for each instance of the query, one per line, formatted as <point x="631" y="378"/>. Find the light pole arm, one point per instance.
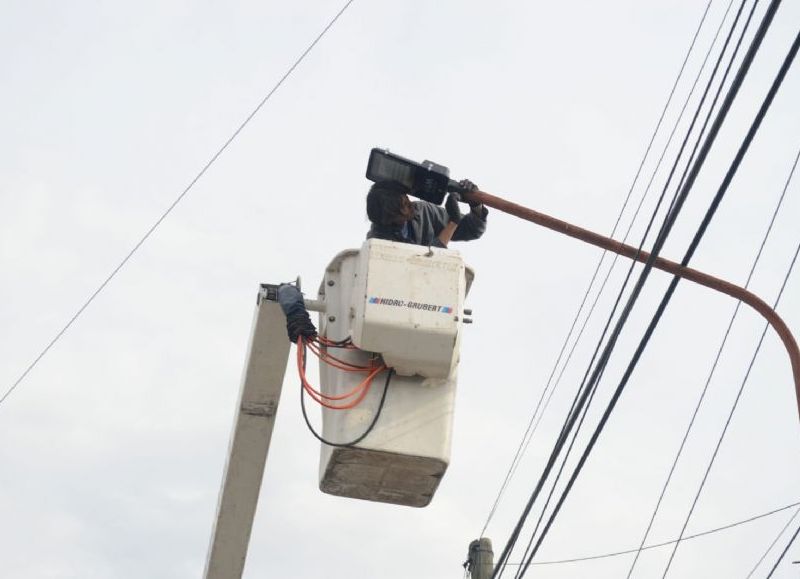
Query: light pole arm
<point x="631" y="252"/>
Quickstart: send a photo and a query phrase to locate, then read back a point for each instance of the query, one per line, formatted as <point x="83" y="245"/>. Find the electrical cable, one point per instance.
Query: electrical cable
<point x="771" y="545"/>
<point x="180" y="197"/>
<point x="530" y="432"/>
<point x="575" y="432"/>
<point x="359" y="391"/>
<point x="730" y="415"/>
<point x="531" y="427"/>
<point x="691" y="177"/>
<point x="662" y="544"/>
<point x="716" y="94"/>
<point x="717" y="358"/>
<point x="346" y="343"/>
<point x="693" y="246"/>
<point x="332" y="360"/>
<point x="585" y="393"/>
<point x="630" y="269"/>
<point x="783" y="554"/>
<point x="369" y="429"/>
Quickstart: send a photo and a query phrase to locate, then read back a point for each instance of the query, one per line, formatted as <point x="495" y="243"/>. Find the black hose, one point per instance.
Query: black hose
<point x="366" y="432"/>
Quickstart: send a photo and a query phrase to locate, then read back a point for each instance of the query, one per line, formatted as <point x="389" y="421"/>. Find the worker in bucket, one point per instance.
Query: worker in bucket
<point x="396" y="218"/>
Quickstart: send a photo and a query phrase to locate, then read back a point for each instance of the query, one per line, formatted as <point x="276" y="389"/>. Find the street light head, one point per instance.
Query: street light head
<point x="427" y="180"/>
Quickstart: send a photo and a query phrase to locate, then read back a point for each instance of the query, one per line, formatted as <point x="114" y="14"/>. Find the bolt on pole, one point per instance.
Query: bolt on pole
<point x="677" y="269"/>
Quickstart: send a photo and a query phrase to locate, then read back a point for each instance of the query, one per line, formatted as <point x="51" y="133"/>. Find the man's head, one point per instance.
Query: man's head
<point x="388" y="204"/>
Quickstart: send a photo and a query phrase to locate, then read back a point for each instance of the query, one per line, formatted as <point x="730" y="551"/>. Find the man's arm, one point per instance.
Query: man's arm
<point x="446" y="234"/>
<point x="473" y="225"/>
<point x="439" y="225"/>
<point x="453" y="218"/>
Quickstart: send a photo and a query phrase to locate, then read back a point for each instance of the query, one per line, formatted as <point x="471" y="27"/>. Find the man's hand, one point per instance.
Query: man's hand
<point x="469" y="187"/>
<point x="451" y="205"/>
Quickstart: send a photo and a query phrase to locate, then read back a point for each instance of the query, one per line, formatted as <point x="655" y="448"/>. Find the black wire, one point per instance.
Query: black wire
<point x="616" y="258"/>
<point x="177" y="200"/>
<point x="586" y="393"/>
<point x="730" y="97"/>
<point x="671" y="289"/>
<point x="772" y="544"/>
<point x="768" y="100"/>
<point x="707" y="119"/>
<point x="783" y="554"/>
<point x="716" y="96"/>
<point x="717" y="358"/>
<point x="565" y="426"/>
<point x="644" y="237"/>
<point x="372" y="424"/>
<point x="663" y="544"/>
<point x="579" y="401"/>
<point x="555" y="483"/>
<point x="531" y="427"/>
<point x="730" y="415"/>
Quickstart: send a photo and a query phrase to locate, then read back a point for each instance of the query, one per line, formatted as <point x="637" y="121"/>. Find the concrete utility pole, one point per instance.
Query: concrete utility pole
<point x="480" y="562"/>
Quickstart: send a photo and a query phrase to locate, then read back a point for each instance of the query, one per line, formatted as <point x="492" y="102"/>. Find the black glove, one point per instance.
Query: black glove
<point x="451" y="205"/>
<point x="468" y="186"/>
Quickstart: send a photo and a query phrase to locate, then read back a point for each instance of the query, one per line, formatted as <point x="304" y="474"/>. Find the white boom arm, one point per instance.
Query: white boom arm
<point x="265" y="366"/>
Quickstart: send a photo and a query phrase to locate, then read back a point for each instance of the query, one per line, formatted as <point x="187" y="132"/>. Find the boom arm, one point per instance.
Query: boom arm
<point x="265" y="366"/>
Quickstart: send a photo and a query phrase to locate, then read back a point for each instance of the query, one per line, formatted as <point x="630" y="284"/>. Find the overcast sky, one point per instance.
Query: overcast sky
<point x="112" y="449"/>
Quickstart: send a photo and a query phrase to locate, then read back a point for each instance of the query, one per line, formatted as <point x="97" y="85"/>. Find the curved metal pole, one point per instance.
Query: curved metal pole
<point x="631" y="252"/>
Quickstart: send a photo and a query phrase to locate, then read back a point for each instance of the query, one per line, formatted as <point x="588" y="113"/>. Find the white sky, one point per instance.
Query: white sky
<point x="111" y="452"/>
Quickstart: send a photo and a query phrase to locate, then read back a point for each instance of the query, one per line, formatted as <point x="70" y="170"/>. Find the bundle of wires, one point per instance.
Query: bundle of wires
<point x="320" y="345"/>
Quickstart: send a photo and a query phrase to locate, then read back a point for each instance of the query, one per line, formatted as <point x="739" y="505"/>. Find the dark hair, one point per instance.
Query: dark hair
<point x="388" y="204"/>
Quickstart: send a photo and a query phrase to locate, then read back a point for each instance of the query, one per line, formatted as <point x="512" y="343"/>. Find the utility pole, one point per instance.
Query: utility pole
<point x="480" y="562"/>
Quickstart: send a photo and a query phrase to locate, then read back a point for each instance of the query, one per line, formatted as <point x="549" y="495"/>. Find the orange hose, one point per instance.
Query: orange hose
<point x="326" y="342"/>
<point x="337" y="362"/>
<point x="361" y="389"/>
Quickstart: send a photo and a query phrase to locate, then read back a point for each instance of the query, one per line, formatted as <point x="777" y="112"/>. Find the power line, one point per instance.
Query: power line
<point x="771" y="545"/>
<point x="628" y="231"/>
<point x="585" y="392"/>
<point x="673" y="284"/>
<point x="733" y="409"/>
<point x="691" y="177"/>
<point x="768" y="100"/>
<point x="531" y="427"/>
<point x="663" y="544"/>
<point x="717" y="358"/>
<point x="783" y="554"/>
<point x="593" y="386"/>
<point x="177" y="200"/>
